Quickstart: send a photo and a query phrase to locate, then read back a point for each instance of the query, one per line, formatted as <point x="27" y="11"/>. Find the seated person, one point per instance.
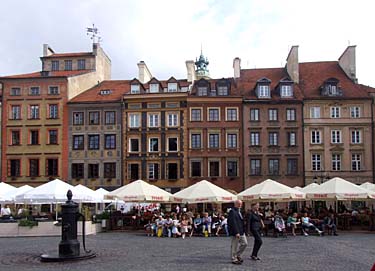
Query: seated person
<point x="206" y="222"/>
<point x="5" y="212"/>
<point x="159" y="226"/>
<point x="168" y="225"/>
<point x="293" y="222"/>
<point x="197" y="224"/>
<point x="184" y="225"/>
<point x="223" y="225"/>
<point x="306" y="224"/>
<point x="329" y="222"/>
<point x="279" y="224"/>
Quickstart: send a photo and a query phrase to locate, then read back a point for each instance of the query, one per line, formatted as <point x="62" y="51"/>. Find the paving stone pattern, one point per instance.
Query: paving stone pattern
<point x="135" y="251"/>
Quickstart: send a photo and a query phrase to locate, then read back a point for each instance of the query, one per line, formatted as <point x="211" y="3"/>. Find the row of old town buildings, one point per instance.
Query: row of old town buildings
<point x="302" y="123"/>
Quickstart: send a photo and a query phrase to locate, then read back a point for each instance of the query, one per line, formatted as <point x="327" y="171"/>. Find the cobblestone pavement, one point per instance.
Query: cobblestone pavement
<point x="135" y="251"/>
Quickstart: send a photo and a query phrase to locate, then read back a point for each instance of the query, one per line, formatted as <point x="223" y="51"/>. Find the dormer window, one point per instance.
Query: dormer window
<point x="134" y="89"/>
<point x="202" y="91"/>
<point x="222" y="90"/>
<point x="105" y="92"/>
<point x="172" y="87"/>
<point x="154" y="88"/>
<point x="330" y="88"/>
<point x="286" y="91"/>
<point x="55" y="65"/>
<point x="264" y="91"/>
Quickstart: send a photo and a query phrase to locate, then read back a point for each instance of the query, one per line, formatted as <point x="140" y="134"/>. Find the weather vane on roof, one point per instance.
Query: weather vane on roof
<point x="94" y="34"/>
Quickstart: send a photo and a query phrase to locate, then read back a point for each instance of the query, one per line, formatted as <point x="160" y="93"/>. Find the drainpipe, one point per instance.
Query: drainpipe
<point x="303" y="143"/>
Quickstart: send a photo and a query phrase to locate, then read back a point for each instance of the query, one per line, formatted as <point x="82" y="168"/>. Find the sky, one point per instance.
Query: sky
<point x="165" y="34"/>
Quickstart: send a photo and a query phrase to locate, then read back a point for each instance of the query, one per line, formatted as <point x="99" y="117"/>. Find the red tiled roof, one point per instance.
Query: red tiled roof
<point x="117" y="89"/>
<point x="80" y="54"/>
<point x="249" y="78"/>
<point x="50" y="74"/>
<point x="314" y="74"/>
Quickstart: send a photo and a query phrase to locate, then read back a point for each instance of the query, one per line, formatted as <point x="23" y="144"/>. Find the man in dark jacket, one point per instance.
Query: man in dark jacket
<point x="237" y="233"/>
<point x="256" y="224"/>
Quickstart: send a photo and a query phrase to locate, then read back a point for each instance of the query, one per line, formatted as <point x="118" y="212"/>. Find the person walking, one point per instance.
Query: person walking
<point x="237" y="232"/>
<point x="255" y="225"/>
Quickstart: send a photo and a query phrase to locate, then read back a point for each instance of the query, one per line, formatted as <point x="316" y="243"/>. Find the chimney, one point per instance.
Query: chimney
<point x="347" y="62"/>
<point x="237" y="67"/>
<point x="95" y="48"/>
<point x="190" y="68"/>
<point x="47" y="51"/>
<point x="144" y="74"/>
<point x="292" y="64"/>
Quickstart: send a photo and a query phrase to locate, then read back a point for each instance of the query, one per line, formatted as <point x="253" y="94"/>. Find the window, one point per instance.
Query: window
<point x="355" y="112"/>
<point x="110" y="117"/>
<point x="34" y="137"/>
<point x="222" y="90"/>
<point x="356" y="162"/>
<point x="315" y="112"/>
<point x="172" y="171"/>
<point x="33" y="167"/>
<point x="213" y="141"/>
<point x="15" y="168"/>
<point x="335" y="112"/>
<point x="77" y="170"/>
<point x="52" y="166"/>
<point x="336" y="162"/>
<point x="34" y="91"/>
<point x="273" y="167"/>
<point x="231" y="114"/>
<point x="291" y="138"/>
<point x="214" y="168"/>
<point x="316" y="160"/>
<point x="94" y="118"/>
<point x="134" y="145"/>
<point x="153" y="145"/>
<point x="109" y="170"/>
<point x="78" y="142"/>
<point x="292" y="168"/>
<point x="255" y="168"/>
<point x="153" y="171"/>
<point x="254" y="114"/>
<point x="196" y="168"/>
<point x="213" y="114"/>
<point x="110" y="141"/>
<point x="231" y="141"/>
<point x="273" y="138"/>
<point x="263" y="91"/>
<point x="254" y="138"/>
<point x="55" y="65"/>
<point x="53" y="111"/>
<point x="172" y="144"/>
<point x="232" y="168"/>
<point x="16" y="139"/>
<point x="272" y="114"/>
<point x="172" y="87"/>
<point x="356" y="137"/>
<point x="34" y="112"/>
<point x="336" y="136"/>
<point x="154" y="88"/>
<point x="202" y="91"/>
<point x="52" y="137"/>
<point x="15" y="91"/>
<point x="195" y="141"/>
<point x="286" y="91"/>
<point x="172" y="119"/>
<point x="195" y="115"/>
<point x="15" y="112"/>
<point x="135" y="89"/>
<point x="316" y="137"/>
<point x="93" y="171"/>
<point x="290" y="114"/>
<point x="53" y="90"/>
<point x="153" y="120"/>
<point x="68" y="65"/>
<point x="93" y="142"/>
<point x="134" y="120"/>
<point x="78" y="118"/>
<point x="133" y="172"/>
<point x="81" y="64"/>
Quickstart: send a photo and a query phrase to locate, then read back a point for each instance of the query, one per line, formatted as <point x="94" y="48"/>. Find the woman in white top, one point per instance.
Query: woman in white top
<point x="306" y="224"/>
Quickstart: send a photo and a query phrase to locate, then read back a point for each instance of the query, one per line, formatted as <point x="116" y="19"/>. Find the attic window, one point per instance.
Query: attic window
<point x="286" y="91"/>
<point x="222" y="90"/>
<point x="330" y="88"/>
<point x="202" y="91"/>
<point x="154" y="88"/>
<point x="172" y="87"/>
<point x="134" y="89"/>
<point x="105" y="92"/>
<point x="264" y="91"/>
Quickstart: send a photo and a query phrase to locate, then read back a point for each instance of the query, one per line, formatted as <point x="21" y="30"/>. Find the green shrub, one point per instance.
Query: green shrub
<point x="27" y="223"/>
